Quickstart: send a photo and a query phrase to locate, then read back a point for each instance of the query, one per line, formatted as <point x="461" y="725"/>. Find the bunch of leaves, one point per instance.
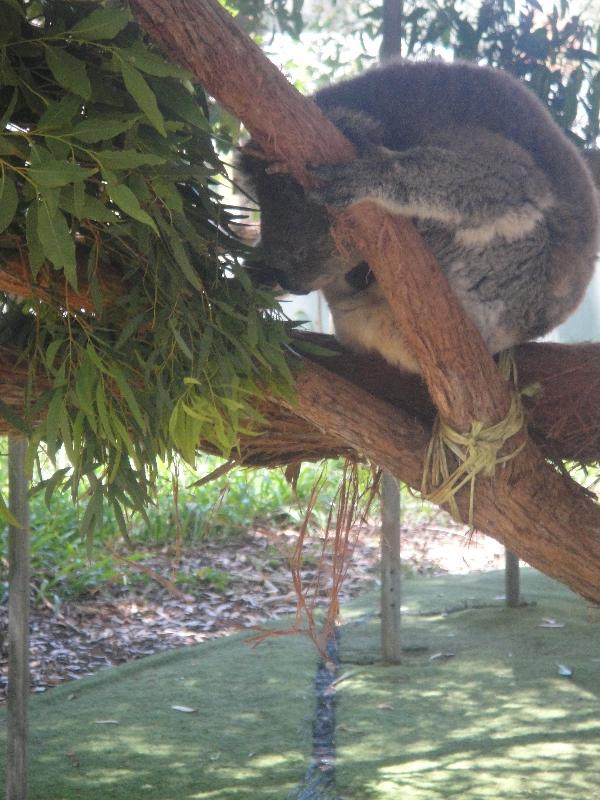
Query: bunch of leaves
<point x="142" y="328"/>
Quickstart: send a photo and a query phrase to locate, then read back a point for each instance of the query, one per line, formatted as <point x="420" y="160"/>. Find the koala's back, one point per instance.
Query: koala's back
<point x="517" y="275"/>
<point x="414" y="100"/>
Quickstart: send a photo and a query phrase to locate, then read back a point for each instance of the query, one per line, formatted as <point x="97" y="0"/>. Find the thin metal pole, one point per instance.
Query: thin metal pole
<point x="390" y="569"/>
<point x="19" y="549"/>
<point x="512" y="590"/>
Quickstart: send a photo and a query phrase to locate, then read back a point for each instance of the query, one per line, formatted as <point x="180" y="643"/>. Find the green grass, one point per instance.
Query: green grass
<point x="495" y="721"/>
<point x="249" y="738"/>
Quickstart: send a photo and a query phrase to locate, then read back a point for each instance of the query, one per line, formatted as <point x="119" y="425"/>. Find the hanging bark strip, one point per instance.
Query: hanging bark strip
<point x="460" y="373"/>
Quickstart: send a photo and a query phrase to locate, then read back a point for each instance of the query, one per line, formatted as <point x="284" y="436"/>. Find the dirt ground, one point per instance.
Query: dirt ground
<point x="216" y="590"/>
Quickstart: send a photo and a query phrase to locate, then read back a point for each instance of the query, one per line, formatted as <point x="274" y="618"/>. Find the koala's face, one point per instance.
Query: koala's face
<point x="297" y="249"/>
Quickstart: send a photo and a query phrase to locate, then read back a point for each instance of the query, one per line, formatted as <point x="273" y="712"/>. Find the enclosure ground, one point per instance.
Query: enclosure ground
<point x="477" y="710"/>
<point x="228" y="586"/>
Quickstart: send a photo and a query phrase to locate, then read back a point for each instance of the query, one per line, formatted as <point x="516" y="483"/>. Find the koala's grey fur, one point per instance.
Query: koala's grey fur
<point x="500" y="195"/>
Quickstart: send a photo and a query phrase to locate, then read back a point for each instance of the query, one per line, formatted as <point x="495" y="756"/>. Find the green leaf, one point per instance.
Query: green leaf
<point x="103" y="414"/>
<point x="35" y="251"/>
<point x="92" y="517"/>
<point x="186" y="106"/>
<point x="126" y="159"/>
<point x="14" y="145"/>
<point x="97" y="128"/>
<point x="14" y="419"/>
<point x="59" y="113"/>
<point x="79" y="199"/>
<point x="92" y="208"/>
<point x="6" y="515"/>
<point x="124" y="198"/>
<point x="180" y="254"/>
<point x="103" y="23"/>
<point x="52" y="423"/>
<point x="9" y="109"/>
<point x="50" y="173"/>
<point x="85" y="380"/>
<point x="145" y="60"/>
<point x="143" y="95"/>
<point x="128" y="395"/>
<point x="120" y="517"/>
<point x="169" y="194"/>
<point x="9" y="200"/>
<point x="68" y="71"/>
<point x="52" y="352"/>
<point x="57" y="242"/>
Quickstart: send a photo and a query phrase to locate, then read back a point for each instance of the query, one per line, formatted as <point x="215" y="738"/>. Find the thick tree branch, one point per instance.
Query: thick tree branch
<point x="290" y="128"/>
<point x="460" y="373"/>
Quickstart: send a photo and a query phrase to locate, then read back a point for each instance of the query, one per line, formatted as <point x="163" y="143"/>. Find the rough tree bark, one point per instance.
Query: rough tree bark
<point x="460" y="373"/>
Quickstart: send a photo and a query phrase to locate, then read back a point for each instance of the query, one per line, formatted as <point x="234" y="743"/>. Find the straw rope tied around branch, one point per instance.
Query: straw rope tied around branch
<point x="476" y="451"/>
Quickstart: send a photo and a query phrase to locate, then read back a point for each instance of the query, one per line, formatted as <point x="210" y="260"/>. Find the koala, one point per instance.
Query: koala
<point x="499" y="194"/>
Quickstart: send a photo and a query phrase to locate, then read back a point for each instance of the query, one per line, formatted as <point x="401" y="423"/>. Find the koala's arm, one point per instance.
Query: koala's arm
<point x="462" y="187"/>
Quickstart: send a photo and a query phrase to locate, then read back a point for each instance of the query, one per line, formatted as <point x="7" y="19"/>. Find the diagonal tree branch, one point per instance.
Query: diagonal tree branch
<point x="460" y="373"/>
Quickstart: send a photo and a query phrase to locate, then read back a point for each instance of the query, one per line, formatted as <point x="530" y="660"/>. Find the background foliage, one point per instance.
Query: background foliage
<point x="107" y="167"/>
<point x="555" y="52"/>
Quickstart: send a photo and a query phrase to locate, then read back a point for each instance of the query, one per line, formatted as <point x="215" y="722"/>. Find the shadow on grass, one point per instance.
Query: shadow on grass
<point x="117" y="736"/>
<point x="493" y="721"/>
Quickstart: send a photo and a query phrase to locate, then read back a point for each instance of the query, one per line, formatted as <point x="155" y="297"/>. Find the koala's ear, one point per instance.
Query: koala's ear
<point x="361" y="129"/>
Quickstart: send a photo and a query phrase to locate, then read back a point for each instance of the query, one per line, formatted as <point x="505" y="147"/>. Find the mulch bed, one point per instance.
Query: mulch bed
<point x="121" y="622"/>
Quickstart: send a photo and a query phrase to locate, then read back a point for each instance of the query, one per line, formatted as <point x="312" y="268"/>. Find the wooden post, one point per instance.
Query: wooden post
<point x="511" y="579"/>
<point x="18" y="622"/>
<point x="390" y="569"/>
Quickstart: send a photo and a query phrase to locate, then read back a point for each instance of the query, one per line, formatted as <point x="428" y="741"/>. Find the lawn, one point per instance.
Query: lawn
<point x="491" y="718"/>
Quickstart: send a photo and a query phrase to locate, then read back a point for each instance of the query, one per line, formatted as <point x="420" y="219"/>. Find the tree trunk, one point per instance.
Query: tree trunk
<point x="391" y="30"/>
<point x="18" y="622"/>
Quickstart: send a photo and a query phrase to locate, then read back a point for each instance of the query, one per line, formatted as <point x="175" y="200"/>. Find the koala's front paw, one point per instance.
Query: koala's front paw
<point x="341" y="185"/>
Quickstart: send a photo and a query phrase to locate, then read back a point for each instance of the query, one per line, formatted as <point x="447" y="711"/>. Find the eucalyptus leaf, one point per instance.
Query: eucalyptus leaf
<point x="127" y="159"/>
<point x="96" y="128"/>
<point x="152" y="63"/>
<point x="59" y="114"/>
<point x="7" y="114"/>
<point x="35" y="251"/>
<point x="143" y="95"/>
<point x="51" y="173"/>
<point x="68" y="71"/>
<point x="56" y="240"/>
<point x="9" y="199"/>
<point x="126" y="200"/>
<point x="103" y="23"/>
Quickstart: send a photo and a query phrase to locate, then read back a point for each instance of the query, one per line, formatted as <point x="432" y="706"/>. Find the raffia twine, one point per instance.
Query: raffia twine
<point x="476" y="451"/>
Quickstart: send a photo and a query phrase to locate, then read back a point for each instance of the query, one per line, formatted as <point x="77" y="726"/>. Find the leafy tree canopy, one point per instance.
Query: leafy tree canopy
<point x="107" y="169"/>
<point x="107" y="196"/>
